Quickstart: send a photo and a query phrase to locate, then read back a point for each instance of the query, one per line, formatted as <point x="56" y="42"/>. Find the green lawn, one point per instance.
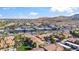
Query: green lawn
<point x="23" y="48"/>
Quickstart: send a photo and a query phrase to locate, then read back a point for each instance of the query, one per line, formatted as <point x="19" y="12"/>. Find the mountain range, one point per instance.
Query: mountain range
<point x="73" y="17"/>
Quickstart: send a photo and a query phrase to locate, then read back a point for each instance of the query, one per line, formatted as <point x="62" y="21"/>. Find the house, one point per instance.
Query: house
<point x="9" y="41"/>
<point x="72" y="44"/>
<point x="64" y="46"/>
<point x="53" y="27"/>
<point x="59" y="48"/>
<point x="1" y="30"/>
<point x="39" y="28"/>
<point x="54" y="47"/>
<point x="2" y="43"/>
<point x="50" y="47"/>
<point x="72" y="40"/>
<point x="25" y="29"/>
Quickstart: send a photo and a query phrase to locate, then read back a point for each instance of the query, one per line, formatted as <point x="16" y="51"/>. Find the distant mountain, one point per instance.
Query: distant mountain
<point x="61" y="18"/>
<point x="75" y="17"/>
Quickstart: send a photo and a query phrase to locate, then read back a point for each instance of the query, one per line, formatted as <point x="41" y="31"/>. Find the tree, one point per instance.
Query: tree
<point x="63" y="37"/>
<point x="25" y="43"/>
<point x="53" y="40"/>
<point x="5" y="34"/>
<point x="18" y="37"/>
<point x="77" y="42"/>
<point x="34" y="45"/>
<point x="75" y="33"/>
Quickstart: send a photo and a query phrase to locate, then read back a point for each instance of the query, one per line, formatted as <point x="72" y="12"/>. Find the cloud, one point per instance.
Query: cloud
<point x="66" y="10"/>
<point x="67" y="6"/>
<point x="1" y="15"/>
<point x="33" y="13"/>
<point x="61" y="9"/>
<point x="8" y="8"/>
<point x="5" y="8"/>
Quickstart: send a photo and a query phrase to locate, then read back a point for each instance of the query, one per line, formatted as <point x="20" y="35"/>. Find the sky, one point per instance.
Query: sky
<point x="38" y="8"/>
<point x="36" y="12"/>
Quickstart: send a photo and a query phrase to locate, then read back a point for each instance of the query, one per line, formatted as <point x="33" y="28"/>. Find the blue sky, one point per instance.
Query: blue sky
<point x="36" y="12"/>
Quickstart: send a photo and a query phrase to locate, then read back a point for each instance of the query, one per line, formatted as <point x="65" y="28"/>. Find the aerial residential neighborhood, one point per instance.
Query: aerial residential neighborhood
<point x="60" y="33"/>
